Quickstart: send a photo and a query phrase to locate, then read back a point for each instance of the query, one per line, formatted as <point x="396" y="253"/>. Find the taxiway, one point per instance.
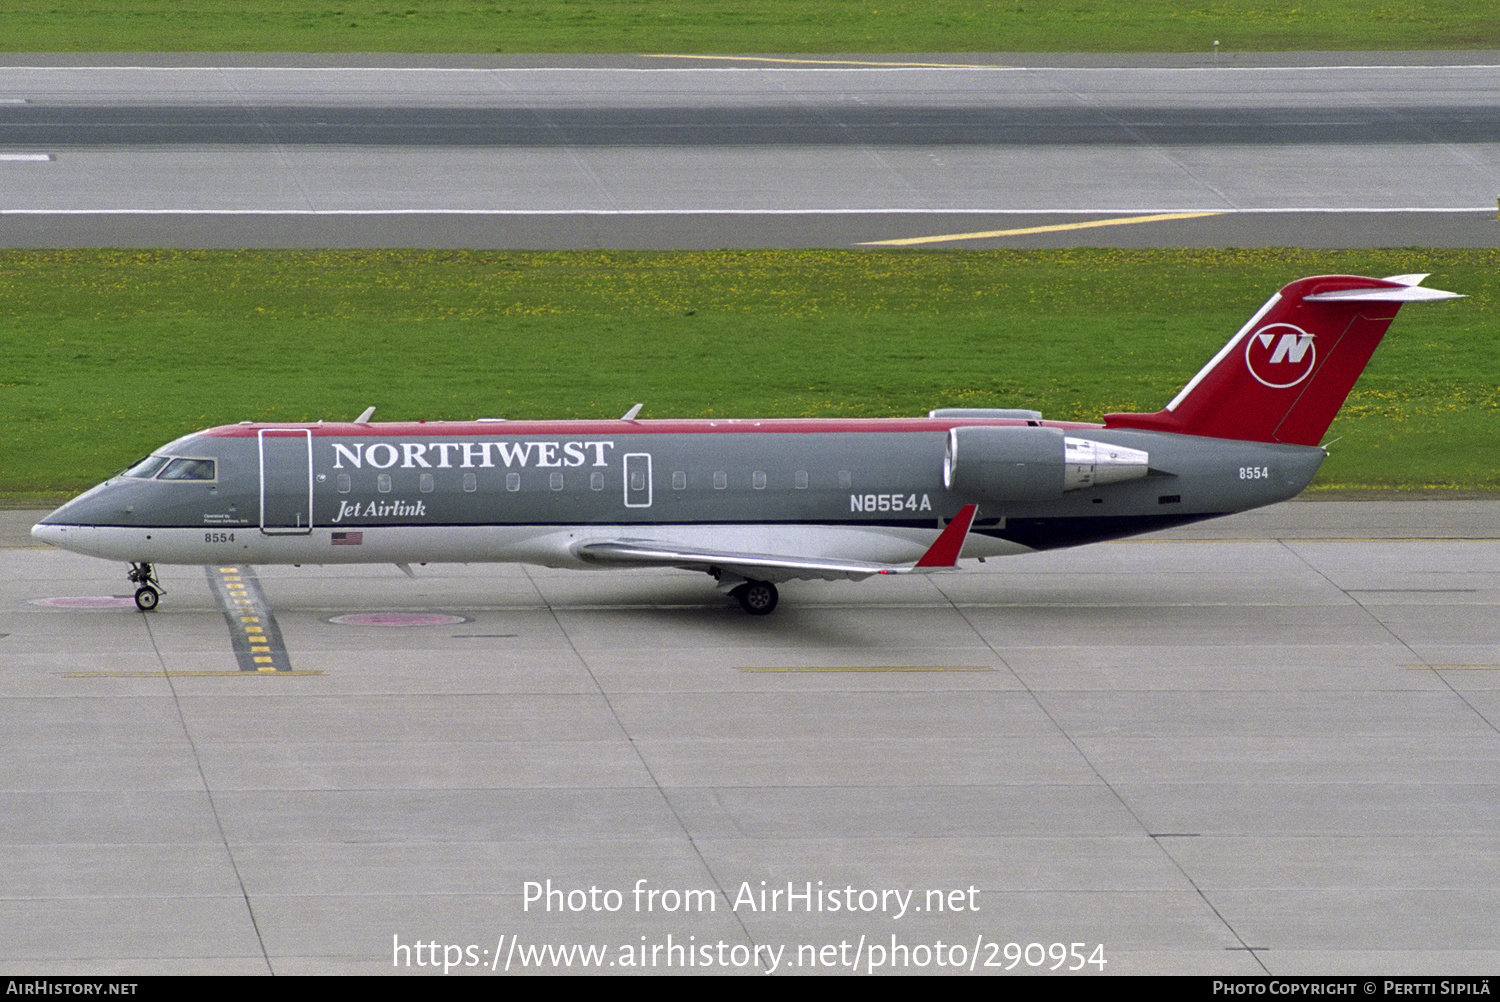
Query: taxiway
<point x="1221" y="751"/>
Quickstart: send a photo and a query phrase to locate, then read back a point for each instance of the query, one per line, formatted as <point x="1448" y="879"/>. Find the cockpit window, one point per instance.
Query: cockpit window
<point x="188" y="469"/>
<point x="146" y="468"/>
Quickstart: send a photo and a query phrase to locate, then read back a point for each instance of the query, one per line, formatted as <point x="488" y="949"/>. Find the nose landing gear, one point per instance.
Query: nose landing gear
<point x="148" y="595"/>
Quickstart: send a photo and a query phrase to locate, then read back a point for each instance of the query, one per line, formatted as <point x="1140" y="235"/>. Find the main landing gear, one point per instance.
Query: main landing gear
<point x="149" y="593"/>
<point x="758" y="598"/>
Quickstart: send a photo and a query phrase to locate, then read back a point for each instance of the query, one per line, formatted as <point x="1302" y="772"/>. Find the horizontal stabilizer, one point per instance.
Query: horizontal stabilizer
<point x="1405" y="294"/>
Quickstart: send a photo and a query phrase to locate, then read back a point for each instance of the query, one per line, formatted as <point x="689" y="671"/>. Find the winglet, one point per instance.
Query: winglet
<point x="950" y="543"/>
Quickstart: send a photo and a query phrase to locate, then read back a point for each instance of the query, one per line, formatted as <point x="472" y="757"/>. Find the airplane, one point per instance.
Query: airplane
<point x="753" y="503"/>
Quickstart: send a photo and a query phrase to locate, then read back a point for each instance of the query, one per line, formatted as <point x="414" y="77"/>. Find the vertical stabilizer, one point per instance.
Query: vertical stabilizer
<point x="1287" y="372"/>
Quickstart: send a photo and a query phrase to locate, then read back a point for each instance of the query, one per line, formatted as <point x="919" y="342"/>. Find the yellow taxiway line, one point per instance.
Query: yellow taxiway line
<point x="828" y="668"/>
<point x="185" y="674"/>
<point x="1159" y="217"/>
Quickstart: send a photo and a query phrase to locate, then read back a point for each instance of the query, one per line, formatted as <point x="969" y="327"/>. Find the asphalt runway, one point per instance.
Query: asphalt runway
<point x="660" y="152"/>
<point x="1266" y="744"/>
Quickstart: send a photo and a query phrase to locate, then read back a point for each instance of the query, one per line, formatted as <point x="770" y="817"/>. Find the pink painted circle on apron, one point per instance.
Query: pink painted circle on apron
<point x="87" y="602"/>
<point x="397" y="619"/>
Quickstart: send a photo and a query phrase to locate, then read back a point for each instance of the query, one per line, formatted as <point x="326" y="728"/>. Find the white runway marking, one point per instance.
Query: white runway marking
<point x="1151" y="214"/>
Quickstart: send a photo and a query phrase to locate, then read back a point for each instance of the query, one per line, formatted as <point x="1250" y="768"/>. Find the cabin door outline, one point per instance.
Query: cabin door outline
<point x="286" y="481"/>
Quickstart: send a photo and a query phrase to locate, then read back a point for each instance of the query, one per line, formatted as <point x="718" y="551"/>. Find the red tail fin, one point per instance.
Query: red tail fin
<point x="1287" y="372"/>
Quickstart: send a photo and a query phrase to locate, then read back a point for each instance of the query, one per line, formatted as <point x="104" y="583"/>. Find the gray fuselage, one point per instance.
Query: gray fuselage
<point x="532" y="491"/>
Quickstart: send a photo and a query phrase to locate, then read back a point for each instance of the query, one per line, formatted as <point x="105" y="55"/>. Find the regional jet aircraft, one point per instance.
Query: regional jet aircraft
<point x="751" y="503"/>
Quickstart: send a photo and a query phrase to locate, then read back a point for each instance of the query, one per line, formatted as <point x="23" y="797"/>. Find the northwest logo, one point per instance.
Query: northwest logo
<point x="469" y="455"/>
<point x="1280" y="355"/>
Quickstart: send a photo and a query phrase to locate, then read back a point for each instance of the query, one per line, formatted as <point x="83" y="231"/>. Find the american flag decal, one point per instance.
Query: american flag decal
<point x="348" y="538"/>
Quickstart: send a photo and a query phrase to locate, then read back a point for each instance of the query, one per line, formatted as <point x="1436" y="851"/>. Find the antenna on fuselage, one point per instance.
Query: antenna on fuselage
<point x="365" y="417"/>
<point x="630" y="414"/>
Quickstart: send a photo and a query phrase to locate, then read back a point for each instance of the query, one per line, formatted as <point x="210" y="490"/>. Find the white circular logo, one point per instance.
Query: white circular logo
<point x="1280" y="355"/>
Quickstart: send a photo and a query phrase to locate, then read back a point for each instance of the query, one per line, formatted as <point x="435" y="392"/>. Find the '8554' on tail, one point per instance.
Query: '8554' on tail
<point x="1287" y="372"/>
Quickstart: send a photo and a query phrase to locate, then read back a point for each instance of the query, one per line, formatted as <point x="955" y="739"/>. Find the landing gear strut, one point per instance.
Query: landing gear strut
<point x="758" y="598"/>
<point x="149" y="593"/>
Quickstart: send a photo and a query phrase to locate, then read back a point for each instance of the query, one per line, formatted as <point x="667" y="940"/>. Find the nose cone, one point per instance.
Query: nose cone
<point x="52" y="535"/>
<point x="63" y="527"/>
<point x="91" y="524"/>
<point x="114" y="502"/>
<point x="71" y="526"/>
<point x="82" y="510"/>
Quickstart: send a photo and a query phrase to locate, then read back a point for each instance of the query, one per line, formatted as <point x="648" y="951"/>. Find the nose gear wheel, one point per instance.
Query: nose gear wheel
<point x="148" y="595"/>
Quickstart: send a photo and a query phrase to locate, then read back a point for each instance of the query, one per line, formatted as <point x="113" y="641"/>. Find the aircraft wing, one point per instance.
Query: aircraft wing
<point x="942" y="554"/>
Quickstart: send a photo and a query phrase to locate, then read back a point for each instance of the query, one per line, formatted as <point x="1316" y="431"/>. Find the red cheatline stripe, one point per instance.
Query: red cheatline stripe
<point x="782" y="426"/>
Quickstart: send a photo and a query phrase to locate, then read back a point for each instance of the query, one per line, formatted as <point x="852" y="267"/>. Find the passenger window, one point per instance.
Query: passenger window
<point x="383" y="483"/>
<point x="556" y="481"/>
<point x="512" y="482"/>
<point x="471" y="483"/>
<point x="345" y="484"/>
<point x="424" y="483"/>
<point x="721" y="480"/>
<point x="845" y="480"/>
<point x="800" y="480"/>
<point x="596" y="481"/>
<point x="758" y="480"/>
<point x="679" y="481"/>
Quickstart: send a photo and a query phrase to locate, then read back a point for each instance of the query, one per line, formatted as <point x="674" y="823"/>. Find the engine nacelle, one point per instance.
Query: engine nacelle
<point x="1031" y="463"/>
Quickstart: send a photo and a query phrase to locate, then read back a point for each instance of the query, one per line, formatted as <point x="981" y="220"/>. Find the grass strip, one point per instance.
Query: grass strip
<point x="110" y="353"/>
<point x="721" y="26"/>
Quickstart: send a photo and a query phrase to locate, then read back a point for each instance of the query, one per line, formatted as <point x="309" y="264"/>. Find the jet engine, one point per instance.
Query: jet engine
<point x="1031" y="463"/>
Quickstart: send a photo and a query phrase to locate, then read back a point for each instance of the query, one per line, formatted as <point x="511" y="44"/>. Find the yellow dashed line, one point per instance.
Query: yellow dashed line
<point x="829" y="668"/>
<point x="179" y="674"/>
